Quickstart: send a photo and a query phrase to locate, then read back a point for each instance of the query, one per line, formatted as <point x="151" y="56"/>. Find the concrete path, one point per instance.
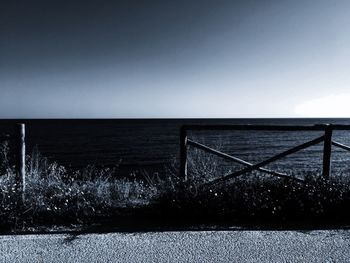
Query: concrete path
<point x="212" y="246"/>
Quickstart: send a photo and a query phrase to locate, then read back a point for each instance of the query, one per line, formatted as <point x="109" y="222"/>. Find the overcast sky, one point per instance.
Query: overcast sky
<point x="91" y="59"/>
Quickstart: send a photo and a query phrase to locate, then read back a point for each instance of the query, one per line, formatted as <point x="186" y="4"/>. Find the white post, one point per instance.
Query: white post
<point x="21" y="160"/>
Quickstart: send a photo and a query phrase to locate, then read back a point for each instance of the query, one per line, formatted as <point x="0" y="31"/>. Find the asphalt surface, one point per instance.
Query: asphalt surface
<point x="205" y="246"/>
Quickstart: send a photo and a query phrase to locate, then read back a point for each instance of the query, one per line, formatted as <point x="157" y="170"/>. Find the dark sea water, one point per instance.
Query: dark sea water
<point x="78" y="143"/>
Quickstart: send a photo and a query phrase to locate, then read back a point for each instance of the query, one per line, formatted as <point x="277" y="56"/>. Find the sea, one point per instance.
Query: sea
<point x="136" y="143"/>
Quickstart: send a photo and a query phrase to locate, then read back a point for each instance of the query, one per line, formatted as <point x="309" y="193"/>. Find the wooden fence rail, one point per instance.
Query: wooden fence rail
<point x="238" y="160"/>
<point x="340" y="145"/>
<point x="185" y="142"/>
<point x="326" y="139"/>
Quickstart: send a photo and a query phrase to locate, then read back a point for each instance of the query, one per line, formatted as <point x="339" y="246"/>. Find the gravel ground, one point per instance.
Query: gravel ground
<point x="206" y="246"/>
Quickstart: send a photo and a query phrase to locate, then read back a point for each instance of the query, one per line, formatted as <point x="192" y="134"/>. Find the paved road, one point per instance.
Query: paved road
<point x="222" y="246"/>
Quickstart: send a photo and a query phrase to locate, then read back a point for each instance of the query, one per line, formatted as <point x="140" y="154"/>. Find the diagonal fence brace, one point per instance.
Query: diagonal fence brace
<point x="238" y="160"/>
<point x="267" y="161"/>
<point x="340" y="145"/>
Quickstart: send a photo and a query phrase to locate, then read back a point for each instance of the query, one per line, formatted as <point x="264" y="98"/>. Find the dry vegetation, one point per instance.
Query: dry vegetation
<point x="56" y="195"/>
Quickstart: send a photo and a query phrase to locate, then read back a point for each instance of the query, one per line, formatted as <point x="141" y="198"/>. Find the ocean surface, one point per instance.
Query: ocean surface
<point x="152" y="142"/>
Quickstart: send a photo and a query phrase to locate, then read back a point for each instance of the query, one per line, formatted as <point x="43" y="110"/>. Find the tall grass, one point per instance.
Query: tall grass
<point x="79" y="196"/>
<point x="58" y="195"/>
<point x="258" y="197"/>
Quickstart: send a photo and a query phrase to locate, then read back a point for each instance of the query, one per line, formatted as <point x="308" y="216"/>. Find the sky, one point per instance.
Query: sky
<point x="174" y="59"/>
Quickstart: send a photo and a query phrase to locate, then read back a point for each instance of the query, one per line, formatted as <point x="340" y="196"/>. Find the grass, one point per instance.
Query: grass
<point x="256" y="199"/>
<point x="56" y="195"/>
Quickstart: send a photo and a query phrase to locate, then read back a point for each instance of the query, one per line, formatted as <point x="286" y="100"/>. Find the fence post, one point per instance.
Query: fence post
<point x="21" y="158"/>
<point x="327" y="150"/>
<point x="183" y="152"/>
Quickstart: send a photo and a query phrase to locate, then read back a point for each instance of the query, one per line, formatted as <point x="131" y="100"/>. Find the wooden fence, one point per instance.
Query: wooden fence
<point x="326" y="138"/>
<point x="185" y="142"/>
